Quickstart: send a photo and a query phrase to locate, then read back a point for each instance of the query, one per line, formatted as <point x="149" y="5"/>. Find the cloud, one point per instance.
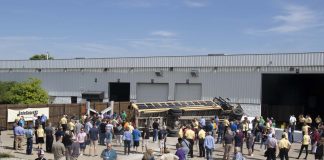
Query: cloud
<point x="293" y="19"/>
<point x="196" y="3"/>
<point x="165" y="34"/>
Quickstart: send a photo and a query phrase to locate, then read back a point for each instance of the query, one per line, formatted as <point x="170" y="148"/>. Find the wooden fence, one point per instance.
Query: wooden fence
<point x="56" y="111"/>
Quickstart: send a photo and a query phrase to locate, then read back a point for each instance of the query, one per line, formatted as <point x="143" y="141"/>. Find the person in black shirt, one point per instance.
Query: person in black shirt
<point x="145" y="138"/>
<point x="67" y="141"/>
<point x="102" y="132"/>
<point x="155" y="130"/>
<point x="49" y="137"/>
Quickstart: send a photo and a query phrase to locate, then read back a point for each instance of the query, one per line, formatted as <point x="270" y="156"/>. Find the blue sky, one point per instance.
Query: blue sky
<point x="133" y="28"/>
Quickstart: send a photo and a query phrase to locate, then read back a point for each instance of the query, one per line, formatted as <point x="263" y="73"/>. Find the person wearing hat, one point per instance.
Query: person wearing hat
<point x="41" y="155"/>
<point x="29" y="133"/>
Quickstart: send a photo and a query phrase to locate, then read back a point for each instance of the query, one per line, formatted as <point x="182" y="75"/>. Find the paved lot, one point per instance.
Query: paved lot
<point x="7" y="143"/>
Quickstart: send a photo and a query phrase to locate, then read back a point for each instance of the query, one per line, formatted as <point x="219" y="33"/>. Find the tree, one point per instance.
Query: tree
<point x="41" y="57"/>
<point x="28" y="92"/>
<point x="4" y="91"/>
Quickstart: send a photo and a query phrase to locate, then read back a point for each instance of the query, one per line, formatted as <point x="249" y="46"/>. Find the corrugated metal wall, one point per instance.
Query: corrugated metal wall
<point x="294" y="59"/>
<point x="236" y="77"/>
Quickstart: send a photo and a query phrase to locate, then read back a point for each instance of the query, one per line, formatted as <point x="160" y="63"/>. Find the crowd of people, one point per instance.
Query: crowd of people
<point x="73" y="135"/>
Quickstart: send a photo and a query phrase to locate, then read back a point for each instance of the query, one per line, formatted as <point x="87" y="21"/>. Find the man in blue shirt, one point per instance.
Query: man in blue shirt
<point x="109" y="153"/>
<point x="43" y="120"/>
<point x="136" y="137"/>
<point x="19" y="136"/>
<point x="202" y="122"/>
<point x="94" y="135"/>
<point x="127" y="137"/>
<point x="233" y="127"/>
<point x="209" y="145"/>
<point x="29" y="135"/>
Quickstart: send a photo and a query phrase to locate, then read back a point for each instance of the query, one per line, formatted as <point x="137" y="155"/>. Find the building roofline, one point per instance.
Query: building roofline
<point x="211" y="55"/>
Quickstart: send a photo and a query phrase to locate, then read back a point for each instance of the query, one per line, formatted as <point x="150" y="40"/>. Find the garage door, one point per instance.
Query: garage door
<point x="147" y="92"/>
<point x="185" y="92"/>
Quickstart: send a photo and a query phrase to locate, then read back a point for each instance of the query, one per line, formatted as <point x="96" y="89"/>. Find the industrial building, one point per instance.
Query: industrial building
<point x="268" y="84"/>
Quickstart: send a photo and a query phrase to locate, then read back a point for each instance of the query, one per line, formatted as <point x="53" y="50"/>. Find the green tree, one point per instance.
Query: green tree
<point x="4" y="91"/>
<point x="28" y="92"/>
<point x="41" y="57"/>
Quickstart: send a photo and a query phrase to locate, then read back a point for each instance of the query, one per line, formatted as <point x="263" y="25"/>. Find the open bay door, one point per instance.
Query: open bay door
<point x="152" y="92"/>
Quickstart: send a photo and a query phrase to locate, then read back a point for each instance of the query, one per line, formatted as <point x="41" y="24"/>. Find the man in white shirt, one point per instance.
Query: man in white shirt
<point x="292" y="122"/>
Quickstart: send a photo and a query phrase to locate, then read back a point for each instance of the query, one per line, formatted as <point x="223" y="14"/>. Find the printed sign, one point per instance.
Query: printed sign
<point x="28" y="113"/>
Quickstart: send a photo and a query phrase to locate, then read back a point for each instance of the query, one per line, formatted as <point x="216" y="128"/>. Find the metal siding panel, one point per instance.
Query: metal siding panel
<point x="152" y="92"/>
<point x="184" y="92"/>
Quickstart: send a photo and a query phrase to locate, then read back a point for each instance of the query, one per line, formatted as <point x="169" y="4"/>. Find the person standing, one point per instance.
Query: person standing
<point x="305" y="142"/>
<point x="127" y="137"/>
<point x="40" y="136"/>
<point x="162" y="135"/>
<point x="180" y="152"/>
<point x="228" y="143"/>
<point x="19" y="137"/>
<point x="145" y="138"/>
<point x="109" y="153"/>
<point x="238" y="140"/>
<point x="250" y="143"/>
<point x="75" y="149"/>
<point x="271" y="148"/>
<point x="93" y="135"/>
<point x="109" y="132"/>
<point x="118" y="131"/>
<point x="190" y="136"/>
<point x="155" y="130"/>
<point x="319" y="150"/>
<point x="49" y="137"/>
<point x="201" y="137"/>
<point x="209" y="145"/>
<point x="315" y="137"/>
<point x="136" y="138"/>
<point x="123" y="116"/>
<point x="43" y="120"/>
<point x="102" y="128"/>
<point x="63" y="123"/>
<point x="67" y="142"/>
<point x="220" y="133"/>
<point x="77" y="128"/>
<point x="71" y="125"/>
<point x="292" y="123"/>
<point x="58" y="149"/>
<point x="185" y="146"/>
<point x="81" y="138"/>
<point x="284" y="147"/>
<point x="29" y="135"/>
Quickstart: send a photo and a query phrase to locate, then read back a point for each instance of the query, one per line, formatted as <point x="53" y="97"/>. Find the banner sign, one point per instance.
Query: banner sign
<point x="28" y="113"/>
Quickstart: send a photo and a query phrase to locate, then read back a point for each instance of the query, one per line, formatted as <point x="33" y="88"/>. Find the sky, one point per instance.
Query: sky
<point x="137" y="28"/>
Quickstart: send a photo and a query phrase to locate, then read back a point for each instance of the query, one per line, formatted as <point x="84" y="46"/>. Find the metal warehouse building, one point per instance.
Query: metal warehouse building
<point x="267" y="84"/>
